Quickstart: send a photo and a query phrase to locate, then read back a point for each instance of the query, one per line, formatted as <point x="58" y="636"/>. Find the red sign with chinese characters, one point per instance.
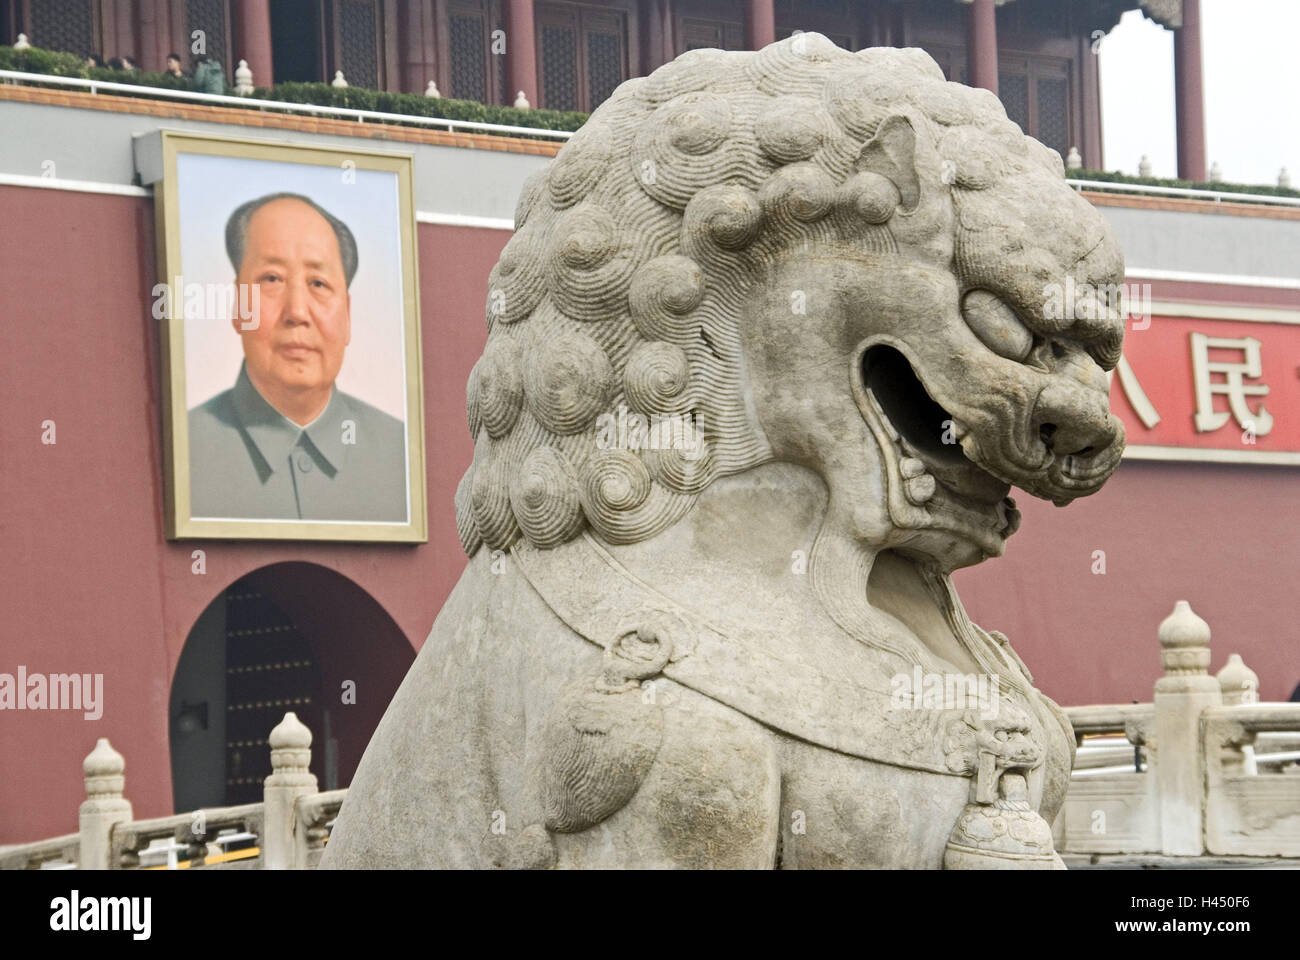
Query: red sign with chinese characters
<point x="1195" y="388"/>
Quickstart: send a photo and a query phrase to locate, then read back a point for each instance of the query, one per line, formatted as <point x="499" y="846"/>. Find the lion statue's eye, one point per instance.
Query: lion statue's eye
<point x="996" y="325"/>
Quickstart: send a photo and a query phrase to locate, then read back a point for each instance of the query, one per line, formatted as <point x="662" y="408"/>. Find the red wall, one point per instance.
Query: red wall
<point x="1222" y="537"/>
<point x="89" y="583"/>
<point x="91" y="586"/>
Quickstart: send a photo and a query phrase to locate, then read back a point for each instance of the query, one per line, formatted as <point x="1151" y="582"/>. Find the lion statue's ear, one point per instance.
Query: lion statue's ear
<point x="892" y="154"/>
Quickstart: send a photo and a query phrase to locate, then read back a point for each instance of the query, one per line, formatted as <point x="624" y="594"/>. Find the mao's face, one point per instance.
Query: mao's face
<point x="304" y="320"/>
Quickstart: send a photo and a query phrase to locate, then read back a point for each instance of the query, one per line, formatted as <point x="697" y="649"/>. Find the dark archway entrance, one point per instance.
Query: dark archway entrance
<point x="290" y="636"/>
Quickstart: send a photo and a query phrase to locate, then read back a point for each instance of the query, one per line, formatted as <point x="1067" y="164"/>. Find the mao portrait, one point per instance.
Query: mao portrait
<point x="293" y="310"/>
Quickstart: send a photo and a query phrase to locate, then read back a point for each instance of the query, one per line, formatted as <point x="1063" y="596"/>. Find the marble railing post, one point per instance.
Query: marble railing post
<point x="1181" y="696"/>
<point x="103" y="807"/>
<point x="290" y="779"/>
<point x="1238" y="684"/>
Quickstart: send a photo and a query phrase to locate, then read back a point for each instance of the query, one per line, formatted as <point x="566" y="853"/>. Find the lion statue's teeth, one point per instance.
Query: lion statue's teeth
<point x="920" y="489"/>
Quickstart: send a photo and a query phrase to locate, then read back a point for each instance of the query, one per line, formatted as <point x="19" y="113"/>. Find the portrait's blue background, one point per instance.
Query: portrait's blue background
<point x="210" y="188"/>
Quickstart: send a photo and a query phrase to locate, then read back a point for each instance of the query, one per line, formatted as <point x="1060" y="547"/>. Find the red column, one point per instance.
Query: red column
<point x="521" y="51"/>
<point x="982" y="45"/>
<point x="156" y="35"/>
<point x="126" y="40"/>
<point x="419" y="49"/>
<point x="253" y="39"/>
<point x="1189" y="94"/>
<point x="760" y="24"/>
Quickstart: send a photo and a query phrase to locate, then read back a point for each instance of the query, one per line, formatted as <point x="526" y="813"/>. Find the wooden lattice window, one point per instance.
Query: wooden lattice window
<point x="720" y="34"/>
<point x="582" y="55"/>
<point x="604" y="65"/>
<point x="559" y="63"/>
<point x="67" y="25"/>
<point x="212" y="17"/>
<point x="1013" y="88"/>
<point x="468" y="55"/>
<point x="358" y="32"/>
<point x="475" y="73"/>
<point x="1053" y="127"/>
<point x="1036" y="94"/>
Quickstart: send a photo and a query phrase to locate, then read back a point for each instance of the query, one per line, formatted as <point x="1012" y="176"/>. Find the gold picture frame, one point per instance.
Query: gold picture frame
<point x="180" y="521"/>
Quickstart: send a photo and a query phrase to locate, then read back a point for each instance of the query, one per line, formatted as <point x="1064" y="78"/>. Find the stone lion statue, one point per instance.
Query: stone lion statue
<point x="768" y="348"/>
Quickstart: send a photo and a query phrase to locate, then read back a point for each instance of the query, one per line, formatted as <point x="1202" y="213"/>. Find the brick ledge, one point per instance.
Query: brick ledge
<point x="1190" y="205"/>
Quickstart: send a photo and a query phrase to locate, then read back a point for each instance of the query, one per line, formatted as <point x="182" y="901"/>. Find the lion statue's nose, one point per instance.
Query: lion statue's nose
<point x="1073" y="420"/>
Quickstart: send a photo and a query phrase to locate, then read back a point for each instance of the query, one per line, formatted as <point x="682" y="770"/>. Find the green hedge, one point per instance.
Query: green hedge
<point x="417" y="105"/>
<point x="35" y="60"/>
<point x="1116" y="177"/>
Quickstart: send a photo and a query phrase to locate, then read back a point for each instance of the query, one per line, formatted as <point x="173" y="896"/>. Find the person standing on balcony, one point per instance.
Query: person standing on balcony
<point x="210" y="76"/>
<point x="174" y="68"/>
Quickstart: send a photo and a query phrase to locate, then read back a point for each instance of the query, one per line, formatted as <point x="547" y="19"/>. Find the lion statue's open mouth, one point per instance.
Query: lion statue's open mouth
<point x="926" y="443"/>
<point x="956" y="470"/>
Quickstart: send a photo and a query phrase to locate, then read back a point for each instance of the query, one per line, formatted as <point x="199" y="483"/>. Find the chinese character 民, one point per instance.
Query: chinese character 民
<point x="1259" y="422"/>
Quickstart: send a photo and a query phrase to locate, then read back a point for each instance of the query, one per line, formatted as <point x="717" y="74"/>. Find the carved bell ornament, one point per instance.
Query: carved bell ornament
<point x="998" y="829"/>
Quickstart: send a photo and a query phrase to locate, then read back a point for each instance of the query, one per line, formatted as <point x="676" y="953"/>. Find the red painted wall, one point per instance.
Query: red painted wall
<point x="89" y="583"/>
<point x="1225" y="538"/>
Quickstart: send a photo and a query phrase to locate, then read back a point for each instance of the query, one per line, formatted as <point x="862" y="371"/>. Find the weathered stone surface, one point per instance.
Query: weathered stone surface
<point x="775" y="335"/>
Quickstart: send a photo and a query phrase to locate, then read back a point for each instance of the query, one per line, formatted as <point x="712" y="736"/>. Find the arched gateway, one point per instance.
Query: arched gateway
<point x="288" y="636"/>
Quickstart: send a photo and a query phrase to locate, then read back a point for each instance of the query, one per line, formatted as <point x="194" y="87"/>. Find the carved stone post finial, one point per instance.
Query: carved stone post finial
<point x="1239" y="685"/>
<point x="104" y="768"/>
<point x="1238" y="682"/>
<point x="290" y="747"/>
<point x="104" y="805"/>
<point x="290" y="779"/>
<point x="1181" y="696"/>
<point x="1184" y="642"/>
<point x="243" y="79"/>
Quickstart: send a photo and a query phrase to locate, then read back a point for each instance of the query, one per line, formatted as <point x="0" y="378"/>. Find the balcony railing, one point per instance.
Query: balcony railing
<point x="1202" y="770"/>
<point x="1192" y="193"/>
<point x="280" y="106"/>
<point x="288" y="830"/>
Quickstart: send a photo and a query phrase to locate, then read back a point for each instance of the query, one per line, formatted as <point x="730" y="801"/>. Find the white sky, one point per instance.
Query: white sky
<point x="1251" y="64"/>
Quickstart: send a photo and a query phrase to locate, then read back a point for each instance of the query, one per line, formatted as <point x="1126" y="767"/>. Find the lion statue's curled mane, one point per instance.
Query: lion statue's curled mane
<point x="633" y="252"/>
